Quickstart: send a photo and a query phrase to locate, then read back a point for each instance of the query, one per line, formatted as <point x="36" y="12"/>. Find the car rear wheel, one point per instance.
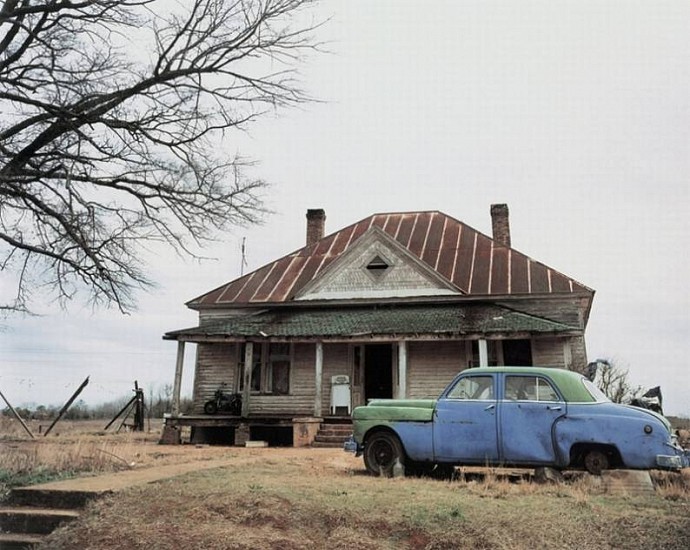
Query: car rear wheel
<point x="383" y="452"/>
<point x="596" y="462"/>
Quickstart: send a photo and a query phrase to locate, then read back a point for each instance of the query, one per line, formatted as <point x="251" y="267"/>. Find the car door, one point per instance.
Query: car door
<point x="528" y="409"/>
<point x="465" y="427"/>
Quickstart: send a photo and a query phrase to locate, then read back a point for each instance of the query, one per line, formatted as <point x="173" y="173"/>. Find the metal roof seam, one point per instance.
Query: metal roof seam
<point x="258" y="288"/>
<point x="491" y="266"/>
<point x="277" y="285"/>
<point x="474" y="255"/>
<point x="455" y="257"/>
<point x="414" y="225"/>
<point x="426" y="236"/>
<point x="440" y="246"/>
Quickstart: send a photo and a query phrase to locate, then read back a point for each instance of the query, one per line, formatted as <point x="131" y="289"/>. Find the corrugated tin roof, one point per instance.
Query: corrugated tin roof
<point x="471" y="261"/>
<point x="422" y="320"/>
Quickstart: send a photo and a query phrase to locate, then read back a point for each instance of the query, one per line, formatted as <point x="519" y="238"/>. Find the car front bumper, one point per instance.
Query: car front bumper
<point x="681" y="459"/>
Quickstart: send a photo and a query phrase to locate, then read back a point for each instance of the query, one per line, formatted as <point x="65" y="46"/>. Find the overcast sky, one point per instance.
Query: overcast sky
<point x="574" y="113"/>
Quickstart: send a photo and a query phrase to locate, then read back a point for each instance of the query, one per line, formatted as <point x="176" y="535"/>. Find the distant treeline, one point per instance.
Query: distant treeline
<point x="155" y="406"/>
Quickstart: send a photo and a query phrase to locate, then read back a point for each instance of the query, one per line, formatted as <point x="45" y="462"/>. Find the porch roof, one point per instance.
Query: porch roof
<point x="441" y="321"/>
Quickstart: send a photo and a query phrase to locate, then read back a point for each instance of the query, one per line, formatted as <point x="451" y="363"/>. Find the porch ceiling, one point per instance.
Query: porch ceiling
<point x="372" y="322"/>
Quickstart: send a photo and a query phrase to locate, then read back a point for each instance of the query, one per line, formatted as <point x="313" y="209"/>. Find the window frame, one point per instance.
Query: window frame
<point x="527" y="378"/>
<point x="264" y="360"/>
<point x="469" y="378"/>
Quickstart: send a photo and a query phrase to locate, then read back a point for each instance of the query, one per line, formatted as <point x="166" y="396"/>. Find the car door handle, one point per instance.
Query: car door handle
<point x="554" y="407"/>
<point x="490" y="407"/>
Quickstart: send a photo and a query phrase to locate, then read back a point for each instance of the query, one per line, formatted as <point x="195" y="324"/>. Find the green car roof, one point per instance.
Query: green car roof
<point x="569" y="383"/>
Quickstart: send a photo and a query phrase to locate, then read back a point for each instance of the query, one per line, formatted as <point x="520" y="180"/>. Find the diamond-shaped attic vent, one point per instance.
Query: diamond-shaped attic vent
<point x="377" y="267"/>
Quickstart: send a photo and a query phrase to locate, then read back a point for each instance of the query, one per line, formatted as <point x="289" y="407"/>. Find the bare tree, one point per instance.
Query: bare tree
<point x="614" y="381"/>
<point x="112" y="115"/>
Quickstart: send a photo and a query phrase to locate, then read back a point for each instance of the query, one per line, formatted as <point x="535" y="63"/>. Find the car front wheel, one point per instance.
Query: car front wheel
<point x="383" y="453"/>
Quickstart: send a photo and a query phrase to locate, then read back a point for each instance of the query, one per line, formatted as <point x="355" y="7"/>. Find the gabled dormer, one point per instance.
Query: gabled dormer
<point x="376" y="266"/>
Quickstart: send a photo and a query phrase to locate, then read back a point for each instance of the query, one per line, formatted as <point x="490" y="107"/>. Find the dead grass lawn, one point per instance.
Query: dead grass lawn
<point x="284" y="498"/>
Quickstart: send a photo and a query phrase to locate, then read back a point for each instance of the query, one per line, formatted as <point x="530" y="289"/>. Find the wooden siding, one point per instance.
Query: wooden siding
<point x="549" y="352"/>
<point x="215" y="364"/>
<point x="300" y="401"/>
<point x="432" y="365"/>
<point x="579" y="353"/>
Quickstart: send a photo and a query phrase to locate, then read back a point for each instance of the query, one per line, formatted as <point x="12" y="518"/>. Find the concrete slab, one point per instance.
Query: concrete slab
<point x="628" y="482"/>
<point x="121" y="480"/>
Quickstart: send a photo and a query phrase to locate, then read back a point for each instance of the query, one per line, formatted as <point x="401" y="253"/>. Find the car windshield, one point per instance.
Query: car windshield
<point x="598" y="395"/>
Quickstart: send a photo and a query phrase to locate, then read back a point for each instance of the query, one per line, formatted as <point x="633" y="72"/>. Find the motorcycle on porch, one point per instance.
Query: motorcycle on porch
<point x="224" y="402"/>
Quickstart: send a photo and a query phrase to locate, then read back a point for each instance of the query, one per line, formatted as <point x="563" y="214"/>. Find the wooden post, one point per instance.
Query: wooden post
<point x="17" y="416"/>
<point x="67" y="405"/>
<point x="177" y="386"/>
<point x="402" y="369"/>
<point x="247" y="377"/>
<point x="139" y="408"/>
<point x="318" y="379"/>
<point x="125" y="408"/>
<point x="483" y="353"/>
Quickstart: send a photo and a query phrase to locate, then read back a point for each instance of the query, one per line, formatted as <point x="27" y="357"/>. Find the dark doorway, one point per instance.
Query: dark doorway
<point x="517" y="353"/>
<point x="378" y="371"/>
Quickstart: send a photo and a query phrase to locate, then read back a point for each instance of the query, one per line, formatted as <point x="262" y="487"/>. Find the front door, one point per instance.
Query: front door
<point x="465" y="428"/>
<point x="378" y="371"/>
<point x="529" y="409"/>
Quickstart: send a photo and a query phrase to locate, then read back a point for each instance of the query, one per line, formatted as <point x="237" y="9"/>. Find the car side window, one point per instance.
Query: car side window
<point x="473" y="387"/>
<point x="529" y="388"/>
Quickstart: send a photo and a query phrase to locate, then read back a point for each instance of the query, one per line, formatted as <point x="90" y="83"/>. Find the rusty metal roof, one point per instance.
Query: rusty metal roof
<point x="445" y="320"/>
<point x="472" y="262"/>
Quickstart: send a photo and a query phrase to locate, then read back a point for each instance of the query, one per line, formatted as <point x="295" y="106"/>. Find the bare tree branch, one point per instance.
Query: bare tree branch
<point x="112" y="115"/>
<point x="614" y="381"/>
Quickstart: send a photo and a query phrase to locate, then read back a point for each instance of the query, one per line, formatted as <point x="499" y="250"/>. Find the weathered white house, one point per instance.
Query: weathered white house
<point x="393" y="305"/>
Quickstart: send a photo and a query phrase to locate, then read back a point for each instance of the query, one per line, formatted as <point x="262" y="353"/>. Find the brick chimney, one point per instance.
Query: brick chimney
<point x="316" y="225"/>
<point x="500" y="224"/>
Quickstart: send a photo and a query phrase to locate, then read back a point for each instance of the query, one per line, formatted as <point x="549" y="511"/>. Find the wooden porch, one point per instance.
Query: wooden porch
<point x="275" y="430"/>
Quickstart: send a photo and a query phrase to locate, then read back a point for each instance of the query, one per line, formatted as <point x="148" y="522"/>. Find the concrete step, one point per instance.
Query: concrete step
<point x="327" y="445"/>
<point x="39" y="521"/>
<point x="628" y="482"/>
<point x="50" y="498"/>
<point x="339" y="433"/>
<point x="19" y="541"/>
<point x="333" y="435"/>
<point x="331" y="438"/>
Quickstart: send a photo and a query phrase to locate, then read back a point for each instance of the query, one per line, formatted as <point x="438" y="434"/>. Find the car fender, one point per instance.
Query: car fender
<point x="415" y="437"/>
<point x="638" y="439"/>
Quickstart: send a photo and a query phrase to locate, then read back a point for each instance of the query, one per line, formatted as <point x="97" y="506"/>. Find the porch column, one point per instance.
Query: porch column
<point x="318" y="379"/>
<point x="247" y="377"/>
<point x="483" y="353"/>
<point x="402" y="369"/>
<point x="177" y="384"/>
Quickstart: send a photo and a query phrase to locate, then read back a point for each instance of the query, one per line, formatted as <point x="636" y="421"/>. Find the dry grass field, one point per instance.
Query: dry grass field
<point x="286" y="498"/>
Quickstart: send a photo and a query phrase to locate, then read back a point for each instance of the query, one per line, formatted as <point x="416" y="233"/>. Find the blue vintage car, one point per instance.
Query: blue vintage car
<point x="518" y="416"/>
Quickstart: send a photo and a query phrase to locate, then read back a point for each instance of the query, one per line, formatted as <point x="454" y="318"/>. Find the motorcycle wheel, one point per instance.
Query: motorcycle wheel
<point x="210" y="407"/>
